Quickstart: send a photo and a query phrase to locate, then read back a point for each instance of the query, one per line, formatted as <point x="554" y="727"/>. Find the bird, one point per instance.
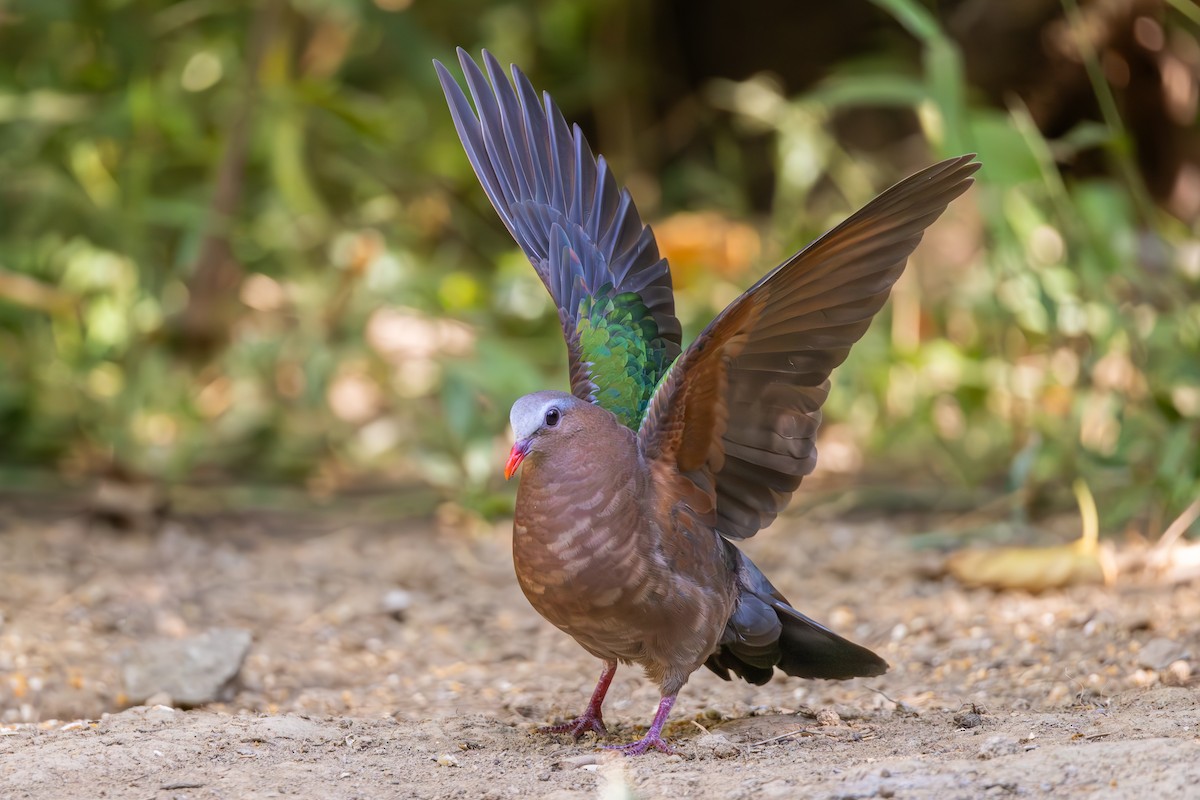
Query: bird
<point x="637" y="483"/>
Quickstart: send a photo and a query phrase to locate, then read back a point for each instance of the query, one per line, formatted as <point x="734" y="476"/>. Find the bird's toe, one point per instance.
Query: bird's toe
<point x="578" y="726"/>
<point x="644" y="745"/>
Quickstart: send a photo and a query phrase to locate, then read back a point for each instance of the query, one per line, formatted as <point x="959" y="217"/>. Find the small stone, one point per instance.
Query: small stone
<point x="827" y="717"/>
<point x="397" y="602"/>
<point x="968" y="719"/>
<point x="160" y="712"/>
<point x="447" y="760"/>
<point x="717" y="745"/>
<point x="998" y="746"/>
<point x="1178" y="674"/>
<point x="1159" y="653"/>
<point x="842" y="618"/>
<point x="1143" y="677"/>
<point x="191" y="671"/>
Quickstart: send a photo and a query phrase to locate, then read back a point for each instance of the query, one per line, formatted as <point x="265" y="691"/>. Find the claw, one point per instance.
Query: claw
<point x="587" y="721"/>
<point x="648" y="742"/>
<point x="653" y="738"/>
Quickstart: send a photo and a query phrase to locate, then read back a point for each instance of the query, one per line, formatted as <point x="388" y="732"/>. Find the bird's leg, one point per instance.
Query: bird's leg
<point x="653" y="737"/>
<point x="590" y="719"/>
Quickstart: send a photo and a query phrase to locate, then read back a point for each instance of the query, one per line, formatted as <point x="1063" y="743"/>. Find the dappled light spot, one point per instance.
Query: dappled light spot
<point x="157" y="428"/>
<point x="839" y="449"/>
<point x="1099" y="428"/>
<point x="1186" y="400"/>
<point x="698" y="243"/>
<point x="416" y="377"/>
<point x="400" y="333"/>
<point x="290" y="380"/>
<point x="216" y="397"/>
<point x="1148" y="33"/>
<point x="105" y="380"/>
<point x="379" y="437"/>
<point x="460" y="291"/>
<point x="1116" y="371"/>
<point x="202" y="71"/>
<point x="262" y="293"/>
<point x="948" y="417"/>
<point x="1046" y="245"/>
<point x="357" y="251"/>
<point x="354" y="397"/>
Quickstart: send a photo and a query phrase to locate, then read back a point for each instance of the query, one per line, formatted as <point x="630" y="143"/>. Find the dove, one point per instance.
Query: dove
<point x="636" y="485"/>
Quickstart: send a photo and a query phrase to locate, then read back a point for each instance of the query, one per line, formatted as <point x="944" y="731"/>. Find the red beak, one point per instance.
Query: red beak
<point x="515" y="457"/>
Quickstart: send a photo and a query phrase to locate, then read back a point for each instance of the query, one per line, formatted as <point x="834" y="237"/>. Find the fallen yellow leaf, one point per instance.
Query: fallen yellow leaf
<point x="1036" y="569"/>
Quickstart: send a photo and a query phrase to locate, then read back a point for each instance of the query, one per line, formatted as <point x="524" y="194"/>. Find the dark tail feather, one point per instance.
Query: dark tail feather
<point x="810" y="650"/>
<point x="765" y="632"/>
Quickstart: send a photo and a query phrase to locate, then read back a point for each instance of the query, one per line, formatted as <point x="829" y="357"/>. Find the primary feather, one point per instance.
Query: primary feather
<point x="580" y="231"/>
<point x="739" y="413"/>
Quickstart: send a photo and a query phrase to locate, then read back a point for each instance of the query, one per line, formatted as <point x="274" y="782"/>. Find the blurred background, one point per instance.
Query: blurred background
<point x="241" y="249"/>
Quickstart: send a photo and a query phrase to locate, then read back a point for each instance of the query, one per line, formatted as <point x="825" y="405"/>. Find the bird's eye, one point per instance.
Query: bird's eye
<point x="552" y="417"/>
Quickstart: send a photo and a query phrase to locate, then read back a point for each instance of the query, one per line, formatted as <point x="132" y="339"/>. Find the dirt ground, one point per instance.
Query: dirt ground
<point x="399" y="659"/>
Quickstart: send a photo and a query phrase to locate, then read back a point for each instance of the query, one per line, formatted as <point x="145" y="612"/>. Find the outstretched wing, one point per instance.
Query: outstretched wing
<point x="581" y="232"/>
<point x="736" y="418"/>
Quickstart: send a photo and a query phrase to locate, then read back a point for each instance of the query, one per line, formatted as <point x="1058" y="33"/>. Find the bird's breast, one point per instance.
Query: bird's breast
<point x="578" y="536"/>
<point x="594" y="560"/>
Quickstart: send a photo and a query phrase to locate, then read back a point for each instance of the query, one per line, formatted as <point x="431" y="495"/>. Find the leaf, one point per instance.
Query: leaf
<point x="1036" y="569"/>
<point x="1033" y="569"/>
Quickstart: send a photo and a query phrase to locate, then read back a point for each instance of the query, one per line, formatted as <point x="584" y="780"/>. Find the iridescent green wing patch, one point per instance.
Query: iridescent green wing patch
<point x="619" y="341"/>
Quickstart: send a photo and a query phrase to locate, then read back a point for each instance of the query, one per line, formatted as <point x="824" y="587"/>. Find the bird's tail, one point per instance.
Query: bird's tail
<point x="766" y="632"/>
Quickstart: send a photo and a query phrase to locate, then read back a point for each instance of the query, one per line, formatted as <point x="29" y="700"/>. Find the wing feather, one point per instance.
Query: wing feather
<point x="737" y="415"/>
<point x="581" y="232"/>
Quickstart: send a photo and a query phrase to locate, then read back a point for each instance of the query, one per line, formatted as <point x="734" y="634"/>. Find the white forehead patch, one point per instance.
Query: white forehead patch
<point x="529" y="413"/>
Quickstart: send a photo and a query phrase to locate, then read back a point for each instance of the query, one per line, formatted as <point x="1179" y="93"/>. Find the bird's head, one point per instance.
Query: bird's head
<point x="538" y="421"/>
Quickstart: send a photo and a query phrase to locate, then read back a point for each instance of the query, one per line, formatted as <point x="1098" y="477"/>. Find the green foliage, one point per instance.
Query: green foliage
<point x="116" y="123"/>
<point x="1071" y="342"/>
<point x="334" y="302"/>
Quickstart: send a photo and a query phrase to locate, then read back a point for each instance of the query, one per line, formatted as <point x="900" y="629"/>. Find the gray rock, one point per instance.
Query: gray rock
<point x="998" y="747"/>
<point x="191" y="671"/>
<point x="1158" y="653"/>
<point x="397" y="602"/>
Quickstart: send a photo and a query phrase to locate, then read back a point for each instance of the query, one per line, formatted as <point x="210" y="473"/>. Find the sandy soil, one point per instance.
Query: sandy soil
<point x="990" y="695"/>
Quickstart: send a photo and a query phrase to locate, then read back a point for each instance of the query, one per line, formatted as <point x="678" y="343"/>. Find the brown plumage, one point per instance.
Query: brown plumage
<point x="634" y="485"/>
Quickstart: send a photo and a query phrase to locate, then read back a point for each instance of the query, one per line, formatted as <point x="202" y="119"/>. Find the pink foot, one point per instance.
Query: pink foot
<point x="647" y="742"/>
<point x="587" y="721"/>
<point x="653" y="738"/>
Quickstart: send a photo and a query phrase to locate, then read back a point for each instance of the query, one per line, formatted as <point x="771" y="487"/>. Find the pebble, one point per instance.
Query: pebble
<point x="188" y="672"/>
<point x="827" y="717"/>
<point x="999" y="746"/>
<point x="397" y="602"/>
<point x="717" y="745"/>
<point x="1178" y="674"/>
<point x="1159" y="653"/>
<point x="968" y="719"/>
